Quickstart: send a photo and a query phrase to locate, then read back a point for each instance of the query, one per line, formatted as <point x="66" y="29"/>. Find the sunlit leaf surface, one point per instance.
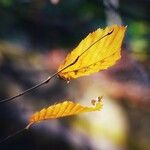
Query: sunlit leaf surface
<point x="98" y="51"/>
<point x="66" y="108"/>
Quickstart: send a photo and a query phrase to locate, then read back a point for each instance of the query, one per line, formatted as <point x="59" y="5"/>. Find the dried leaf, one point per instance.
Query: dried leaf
<point x="66" y="108"/>
<point x="98" y="51"/>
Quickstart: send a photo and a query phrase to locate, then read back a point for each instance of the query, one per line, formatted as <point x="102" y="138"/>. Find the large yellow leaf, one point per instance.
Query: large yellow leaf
<point x="66" y="108"/>
<point x="98" y="51"/>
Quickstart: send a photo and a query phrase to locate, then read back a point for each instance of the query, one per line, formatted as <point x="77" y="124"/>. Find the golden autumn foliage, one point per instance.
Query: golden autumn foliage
<point x="98" y="51"/>
<point x="66" y="108"/>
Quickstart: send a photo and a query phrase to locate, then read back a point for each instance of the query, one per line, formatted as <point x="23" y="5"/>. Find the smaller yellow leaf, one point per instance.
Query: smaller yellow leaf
<point x="66" y="108"/>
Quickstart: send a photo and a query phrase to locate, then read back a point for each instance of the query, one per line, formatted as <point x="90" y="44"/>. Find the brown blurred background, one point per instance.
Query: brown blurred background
<point x="35" y="36"/>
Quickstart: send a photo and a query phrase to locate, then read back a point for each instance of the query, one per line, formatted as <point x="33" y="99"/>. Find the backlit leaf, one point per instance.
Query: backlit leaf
<point x="66" y="108"/>
<point x="98" y="51"/>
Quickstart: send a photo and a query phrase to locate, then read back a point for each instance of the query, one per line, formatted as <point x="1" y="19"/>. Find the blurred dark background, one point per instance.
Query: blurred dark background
<point x="35" y="36"/>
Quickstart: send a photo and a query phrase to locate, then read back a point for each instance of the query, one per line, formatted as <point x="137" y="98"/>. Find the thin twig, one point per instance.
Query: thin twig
<point x="12" y="135"/>
<point x="29" y="90"/>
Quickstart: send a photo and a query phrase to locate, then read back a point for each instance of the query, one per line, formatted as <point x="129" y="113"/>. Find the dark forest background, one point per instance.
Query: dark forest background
<point x="35" y="36"/>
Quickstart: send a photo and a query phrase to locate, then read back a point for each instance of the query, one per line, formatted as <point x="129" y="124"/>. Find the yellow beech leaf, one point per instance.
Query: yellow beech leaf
<point x="98" y="51"/>
<point x="66" y="108"/>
